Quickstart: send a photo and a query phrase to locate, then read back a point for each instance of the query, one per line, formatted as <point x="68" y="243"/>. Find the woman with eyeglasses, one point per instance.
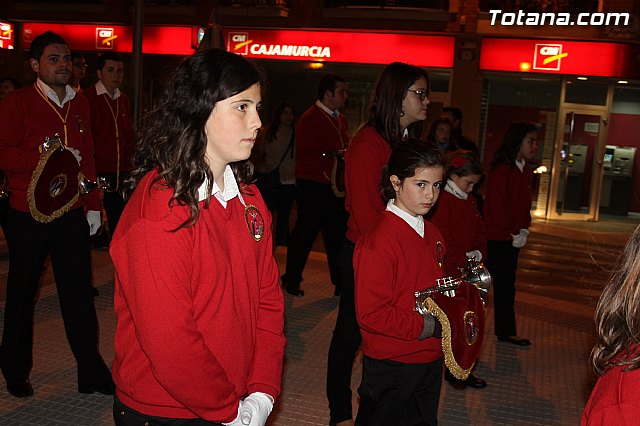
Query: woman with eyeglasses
<point x="398" y="107"/>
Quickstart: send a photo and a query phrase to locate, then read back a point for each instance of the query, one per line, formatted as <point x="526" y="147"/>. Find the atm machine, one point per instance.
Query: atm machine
<point x="576" y="159"/>
<point x="617" y="180"/>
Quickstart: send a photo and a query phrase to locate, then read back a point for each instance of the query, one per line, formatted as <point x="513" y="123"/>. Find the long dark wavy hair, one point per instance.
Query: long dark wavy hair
<point x="385" y="108"/>
<point x="274" y="125"/>
<point x="175" y="142"/>
<point x="405" y="159"/>
<point x="511" y="143"/>
<point x="618" y="313"/>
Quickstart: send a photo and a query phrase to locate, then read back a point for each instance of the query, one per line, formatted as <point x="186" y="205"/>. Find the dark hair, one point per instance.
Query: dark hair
<point x="465" y="163"/>
<point x="107" y="56"/>
<point x="41" y="42"/>
<point x="405" y="159"/>
<point x="385" y="108"/>
<point x="431" y="135"/>
<point x="272" y="130"/>
<point x="455" y="112"/>
<point x="617" y="314"/>
<point x="16" y="84"/>
<point x="175" y="141"/>
<point x="511" y="143"/>
<point x="328" y="82"/>
<point x="76" y="55"/>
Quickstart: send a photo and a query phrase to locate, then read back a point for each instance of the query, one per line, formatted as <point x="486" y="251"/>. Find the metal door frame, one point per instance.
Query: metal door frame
<point x="597" y="171"/>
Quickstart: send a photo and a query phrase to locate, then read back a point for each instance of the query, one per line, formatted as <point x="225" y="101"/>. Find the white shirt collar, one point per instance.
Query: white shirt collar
<point x="520" y="164"/>
<point x="231" y="189"/>
<point x="51" y="94"/>
<point x="416" y="222"/>
<point x="101" y="90"/>
<point x="453" y="189"/>
<point x="335" y="113"/>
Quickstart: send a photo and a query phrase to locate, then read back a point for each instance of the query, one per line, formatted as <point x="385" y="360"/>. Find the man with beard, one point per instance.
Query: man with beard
<point x="27" y="116"/>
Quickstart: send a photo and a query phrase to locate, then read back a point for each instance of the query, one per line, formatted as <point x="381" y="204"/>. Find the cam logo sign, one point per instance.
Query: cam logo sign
<point x="239" y="43"/>
<point x="548" y="57"/>
<point x="105" y="38"/>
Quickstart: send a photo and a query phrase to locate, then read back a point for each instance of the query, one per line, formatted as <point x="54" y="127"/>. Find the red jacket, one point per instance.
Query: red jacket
<point x="113" y="153"/>
<point x="391" y="262"/>
<point x="316" y="133"/>
<point x="507" y="202"/>
<point x="26" y="118"/>
<point x="365" y="158"/>
<point x="200" y="310"/>
<point x="462" y="227"/>
<point x="615" y="400"/>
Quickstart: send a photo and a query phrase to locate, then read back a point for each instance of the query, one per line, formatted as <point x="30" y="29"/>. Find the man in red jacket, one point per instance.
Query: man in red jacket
<point x="321" y="133"/>
<point x="112" y="132"/>
<point x="48" y="107"/>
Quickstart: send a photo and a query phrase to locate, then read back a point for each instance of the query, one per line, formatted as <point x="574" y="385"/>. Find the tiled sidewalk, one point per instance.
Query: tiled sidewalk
<point x="545" y="384"/>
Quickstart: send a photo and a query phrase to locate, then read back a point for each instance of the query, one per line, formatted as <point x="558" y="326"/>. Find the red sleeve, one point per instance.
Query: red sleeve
<point x="13" y="155"/>
<point x="85" y="145"/>
<point x="364" y="161"/>
<point x="266" y="373"/>
<point x="499" y="218"/>
<point x="160" y="305"/>
<point x="376" y="270"/>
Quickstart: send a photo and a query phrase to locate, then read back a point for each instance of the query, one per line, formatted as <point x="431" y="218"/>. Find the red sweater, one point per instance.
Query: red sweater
<point x="317" y="132"/>
<point x="367" y="155"/>
<point x="462" y="227"/>
<point x="507" y="203"/>
<point x="26" y="119"/>
<point x="615" y="400"/>
<point x="200" y="311"/>
<point x="391" y="261"/>
<point x="111" y="150"/>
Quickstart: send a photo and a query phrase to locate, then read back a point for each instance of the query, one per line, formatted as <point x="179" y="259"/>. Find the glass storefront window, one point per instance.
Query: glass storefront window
<point x="512" y="98"/>
<point x="584" y="92"/>
<point x="620" y="193"/>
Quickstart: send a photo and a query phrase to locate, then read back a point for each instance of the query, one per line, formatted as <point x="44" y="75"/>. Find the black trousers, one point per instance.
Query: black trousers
<point x="344" y="343"/>
<point x="318" y="210"/>
<point x="66" y="241"/>
<point x="125" y="416"/>
<point x="393" y="393"/>
<point x="502" y="262"/>
<point x="112" y="201"/>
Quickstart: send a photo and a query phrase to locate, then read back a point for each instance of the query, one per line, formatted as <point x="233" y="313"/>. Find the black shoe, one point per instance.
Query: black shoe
<point x="20" y="388"/>
<point x="470" y="382"/>
<point x="294" y="290"/>
<point x="514" y="340"/>
<point x="106" y="388"/>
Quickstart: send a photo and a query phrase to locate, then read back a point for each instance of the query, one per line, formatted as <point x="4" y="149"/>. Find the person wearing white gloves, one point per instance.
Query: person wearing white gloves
<point x="507" y="217"/>
<point x="27" y="116"/>
<point x="200" y="310"/>
<point x="457" y="217"/>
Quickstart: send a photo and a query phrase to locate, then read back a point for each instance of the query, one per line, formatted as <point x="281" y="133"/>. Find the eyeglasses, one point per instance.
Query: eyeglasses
<point x="422" y="93"/>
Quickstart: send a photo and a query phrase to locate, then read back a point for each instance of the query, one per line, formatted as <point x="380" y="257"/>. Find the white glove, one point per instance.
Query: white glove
<point x="256" y="409"/>
<point x="236" y="421"/>
<point x="95" y="221"/>
<point x="476" y="254"/>
<point x="76" y="153"/>
<point x="521" y="239"/>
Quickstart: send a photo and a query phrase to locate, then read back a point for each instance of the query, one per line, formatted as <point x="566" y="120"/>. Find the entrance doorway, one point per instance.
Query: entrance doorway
<point x="579" y="151"/>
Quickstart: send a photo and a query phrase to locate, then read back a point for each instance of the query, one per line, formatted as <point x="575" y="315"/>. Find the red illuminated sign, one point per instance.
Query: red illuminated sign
<point x="354" y="47"/>
<point x="155" y="40"/>
<point x="6" y="35"/>
<point x="558" y="57"/>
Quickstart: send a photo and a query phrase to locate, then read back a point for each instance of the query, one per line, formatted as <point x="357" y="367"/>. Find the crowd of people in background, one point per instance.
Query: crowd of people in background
<point x="397" y="205"/>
